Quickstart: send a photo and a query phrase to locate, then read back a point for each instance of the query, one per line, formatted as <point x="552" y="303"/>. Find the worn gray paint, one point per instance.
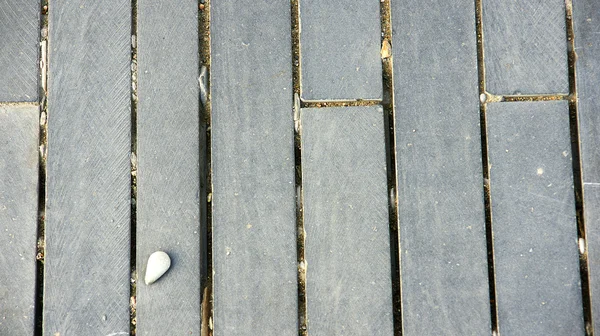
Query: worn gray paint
<point x="86" y="288"/>
<point x="254" y="223"/>
<point x="440" y="181"/>
<point x="168" y="210"/>
<point x="18" y="217"/>
<point x="586" y="22"/>
<point x="347" y="249"/>
<point x="525" y="44"/>
<point x="340" y="45"/>
<point x="533" y="212"/>
<point x="19" y="49"/>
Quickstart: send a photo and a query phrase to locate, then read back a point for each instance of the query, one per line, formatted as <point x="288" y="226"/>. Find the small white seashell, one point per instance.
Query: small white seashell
<point x="158" y="264"/>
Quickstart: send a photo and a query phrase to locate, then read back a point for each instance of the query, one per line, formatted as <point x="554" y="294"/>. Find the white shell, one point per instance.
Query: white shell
<point x="158" y="264"/>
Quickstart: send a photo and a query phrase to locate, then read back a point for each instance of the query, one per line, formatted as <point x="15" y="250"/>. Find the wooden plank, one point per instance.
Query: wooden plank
<point x="18" y="217"/>
<point x="87" y="270"/>
<point x="19" y="49"/>
<point x="586" y="22"/>
<point x="168" y="148"/>
<point x="534" y="226"/>
<point x="254" y="222"/>
<point x="340" y="43"/>
<point x="440" y="194"/>
<point x="525" y="47"/>
<point x="347" y="249"/>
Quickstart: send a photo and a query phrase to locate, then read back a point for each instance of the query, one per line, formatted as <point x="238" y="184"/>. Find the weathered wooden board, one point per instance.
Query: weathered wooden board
<point x="340" y="50"/>
<point x="18" y="217"/>
<point x="525" y="45"/>
<point x="347" y="249"/>
<point x="533" y="213"/>
<point x="168" y="210"/>
<point x="254" y="224"/>
<point x="586" y="22"/>
<point x="87" y="273"/>
<point x="19" y="49"/>
<point x="440" y="181"/>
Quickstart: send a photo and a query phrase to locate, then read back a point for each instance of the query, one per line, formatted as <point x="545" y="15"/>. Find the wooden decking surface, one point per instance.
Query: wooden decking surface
<point x="344" y="168"/>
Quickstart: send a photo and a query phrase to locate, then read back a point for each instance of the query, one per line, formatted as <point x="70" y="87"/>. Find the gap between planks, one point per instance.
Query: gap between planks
<point x="392" y="173"/>
<point x="485" y="98"/>
<point x="204" y="59"/>
<point x="133" y="190"/>
<point x="43" y="145"/>
<point x="578" y="172"/>
<point x="298" y="105"/>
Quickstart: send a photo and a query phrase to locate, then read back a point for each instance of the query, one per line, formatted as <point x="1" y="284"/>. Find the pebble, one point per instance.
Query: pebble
<point x="158" y="264"/>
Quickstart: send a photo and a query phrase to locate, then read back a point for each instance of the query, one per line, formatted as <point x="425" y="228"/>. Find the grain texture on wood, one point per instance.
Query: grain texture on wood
<point x="533" y="213"/>
<point x="347" y="249"/>
<point x="18" y="217"/>
<point x="340" y="45"/>
<point x="19" y="49"/>
<point x="86" y="289"/>
<point x="168" y="204"/>
<point x="254" y="223"/>
<point x="525" y="45"/>
<point x="586" y="22"/>
<point x="440" y="193"/>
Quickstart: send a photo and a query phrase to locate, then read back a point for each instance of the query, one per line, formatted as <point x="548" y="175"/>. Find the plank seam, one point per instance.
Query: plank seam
<point x="578" y="172"/>
<point x="206" y="265"/>
<point x="133" y="190"/>
<point x="485" y="98"/>
<point x="43" y="145"/>
<point x="300" y="232"/>
<point x="387" y="102"/>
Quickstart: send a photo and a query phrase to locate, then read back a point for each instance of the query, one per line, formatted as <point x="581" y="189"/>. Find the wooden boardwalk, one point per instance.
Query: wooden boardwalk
<point x="311" y="167"/>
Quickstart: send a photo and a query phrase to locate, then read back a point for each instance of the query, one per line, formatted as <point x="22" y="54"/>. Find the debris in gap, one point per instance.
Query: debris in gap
<point x="386" y="49"/>
<point x="203" y="81"/>
<point x="158" y="264"/>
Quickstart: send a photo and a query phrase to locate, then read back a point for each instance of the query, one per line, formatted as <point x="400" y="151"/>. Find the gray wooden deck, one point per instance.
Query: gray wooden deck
<point x="381" y="167"/>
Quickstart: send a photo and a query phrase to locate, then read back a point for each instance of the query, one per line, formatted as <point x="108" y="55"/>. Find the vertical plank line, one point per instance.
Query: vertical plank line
<point x="206" y="261"/>
<point x="133" y="217"/>
<point x="390" y="145"/>
<point x="486" y="169"/>
<point x="300" y="232"/>
<point x="578" y="172"/>
<point x="43" y="144"/>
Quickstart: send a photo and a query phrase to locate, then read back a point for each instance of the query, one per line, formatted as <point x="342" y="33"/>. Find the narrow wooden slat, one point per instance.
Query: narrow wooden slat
<point x="340" y="50"/>
<point x="525" y="46"/>
<point x="168" y="217"/>
<point x="18" y="217"/>
<point x="347" y="249"/>
<point x="254" y="224"/>
<point x="19" y="49"/>
<point x="86" y="288"/>
<point x="533" y="210"/>
<point x="586" y="22"/>
<point x="440" y="194"/>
